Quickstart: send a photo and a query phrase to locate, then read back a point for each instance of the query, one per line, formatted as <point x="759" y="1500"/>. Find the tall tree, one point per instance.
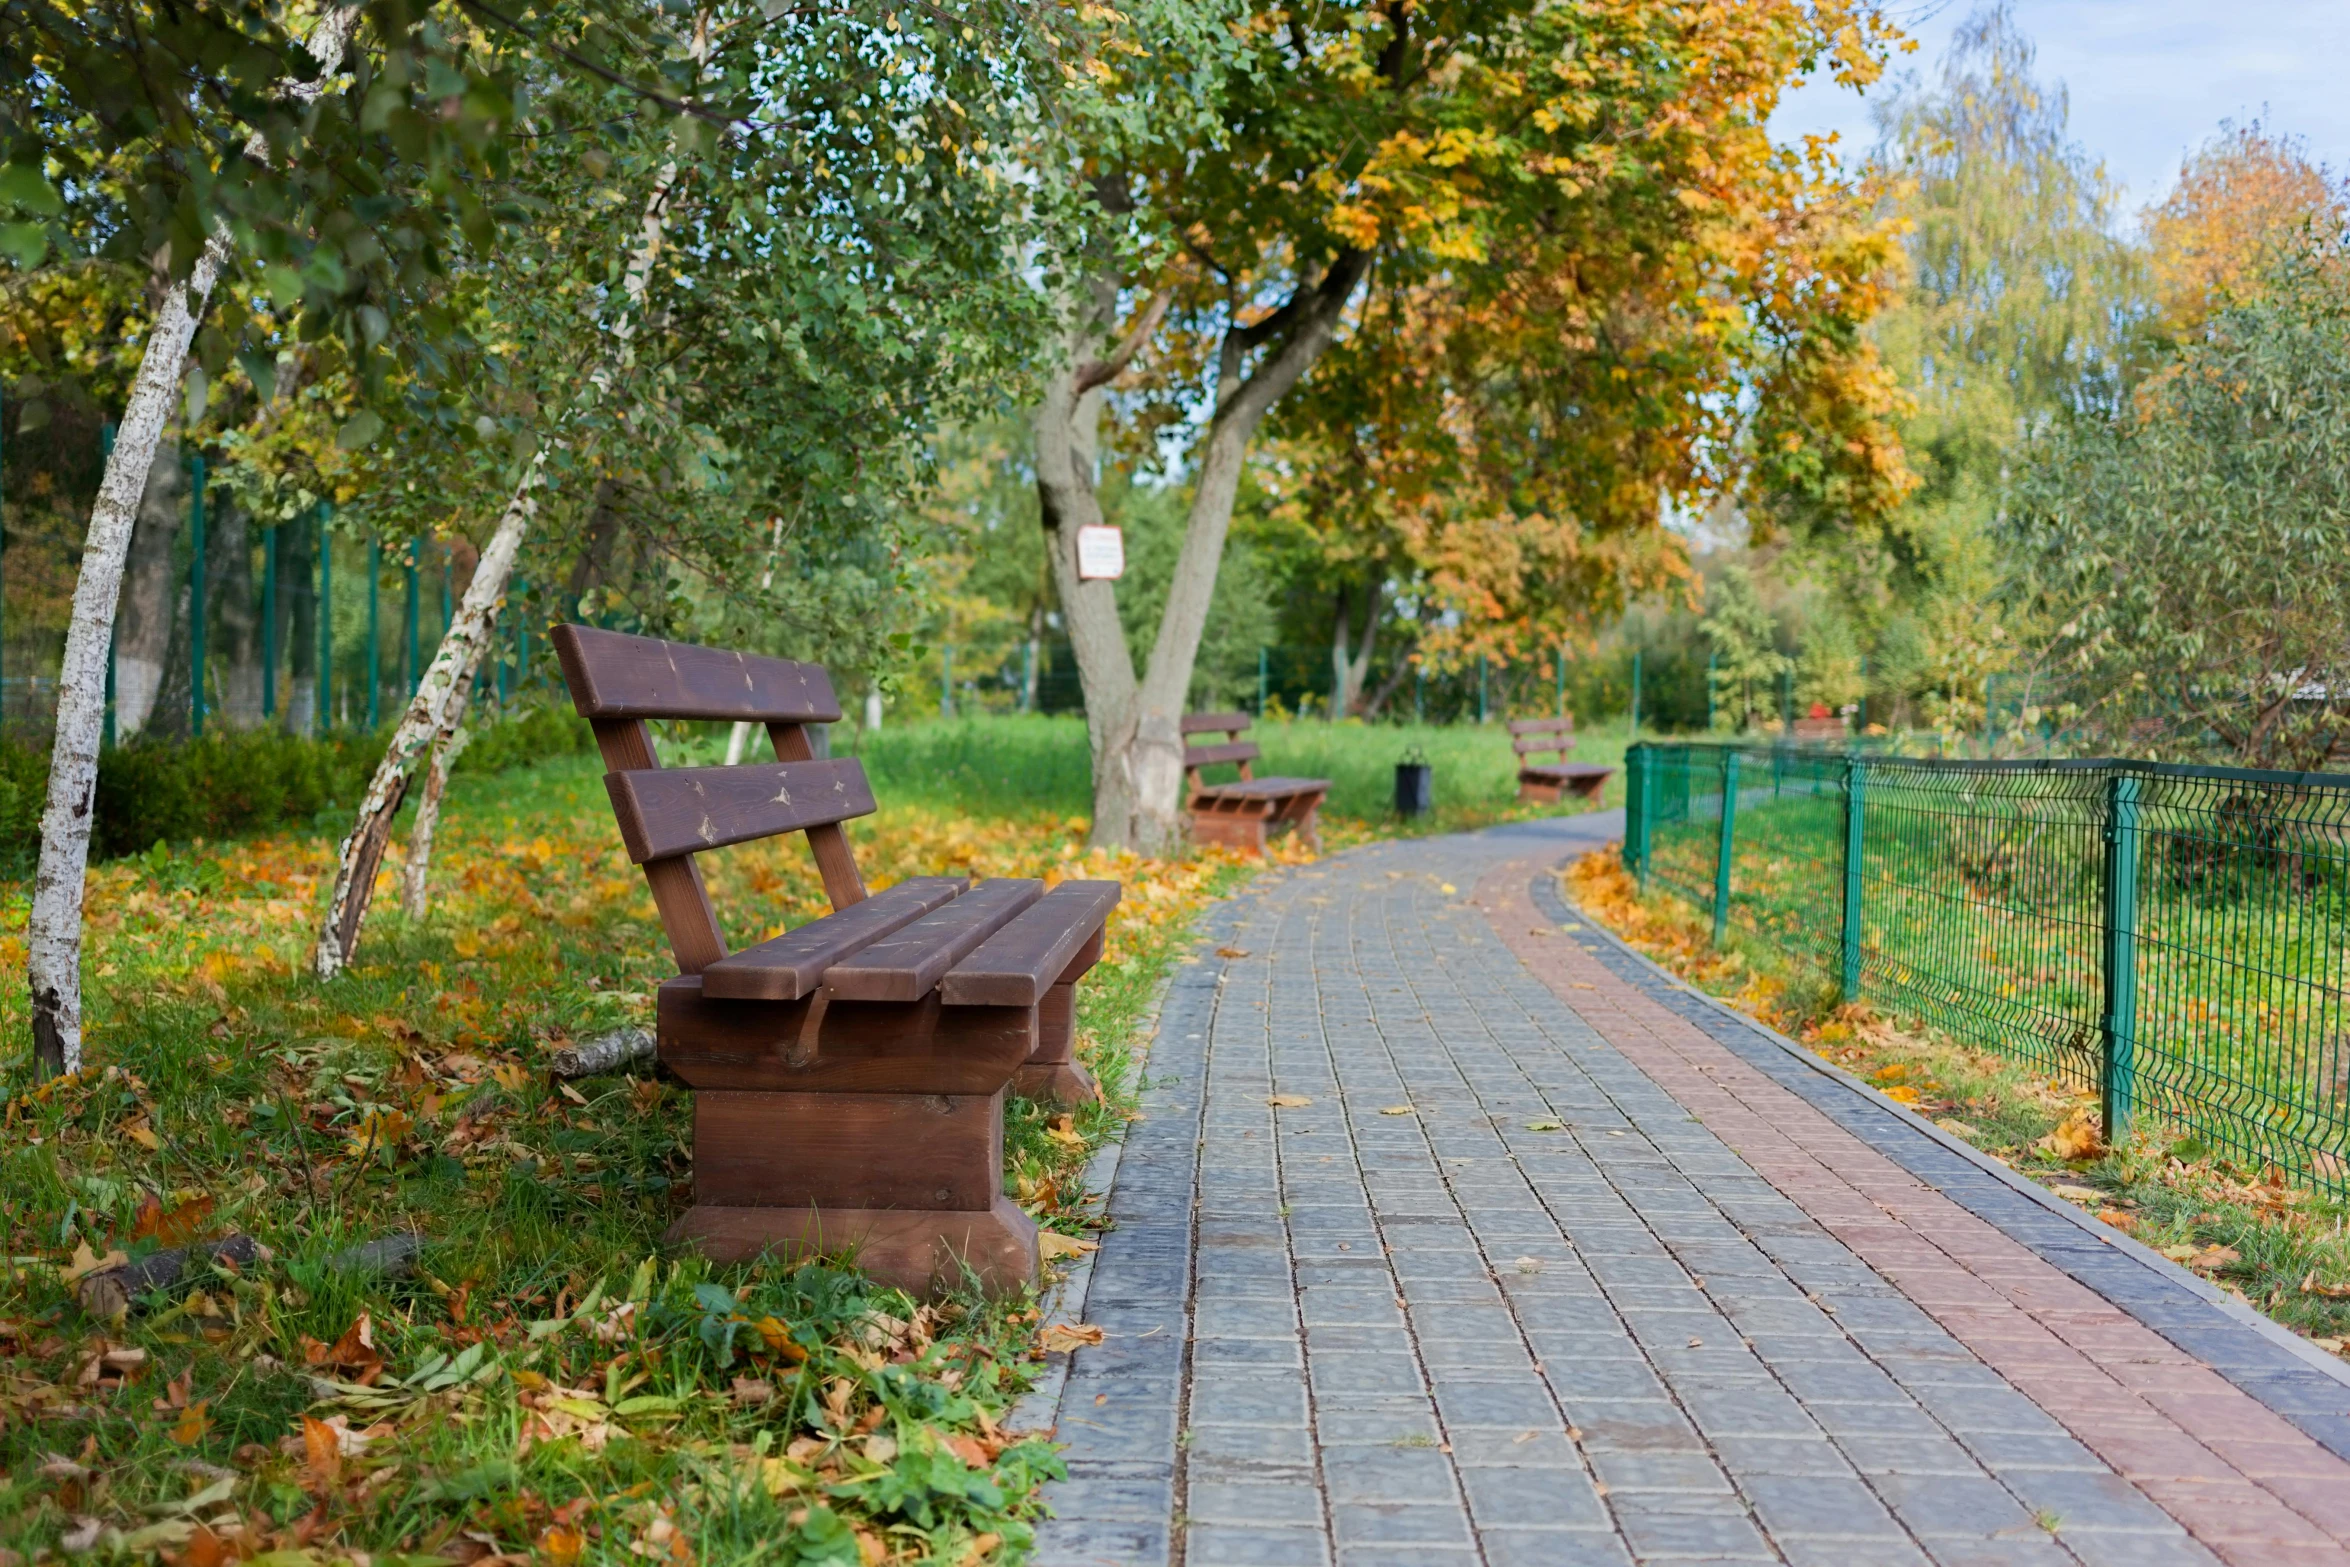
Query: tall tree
<point x="2245" y="201"/>
<point x="1478" y="145"/>
<point x="2020" y="307"/>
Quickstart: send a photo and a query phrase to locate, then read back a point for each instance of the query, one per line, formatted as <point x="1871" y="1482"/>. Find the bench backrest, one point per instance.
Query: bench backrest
<point x="1542" y="736"/>
<point x="667" y="815"/>
<point x="1234" y="749"/>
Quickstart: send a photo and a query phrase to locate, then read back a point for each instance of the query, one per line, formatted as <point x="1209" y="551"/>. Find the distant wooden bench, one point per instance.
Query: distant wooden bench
<point x="1239" y="815"/>
<point x="849" y="1075"/>
<point x="1545" y="782"/>
<point x="1827" y="727"/>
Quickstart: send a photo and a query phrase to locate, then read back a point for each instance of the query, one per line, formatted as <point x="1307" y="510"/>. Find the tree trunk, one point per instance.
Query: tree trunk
<point x="236" y="612"/>
<point x="434" y="712"/>
<point x="150" y="596"/>
<point x="1136" y="729"/>
<point x="297" y="593"/>
<point x="1067" y="424"/>
<point x="54" y="931"/>
<point x="1350" y="668"/>
<point x="413" y="892"/>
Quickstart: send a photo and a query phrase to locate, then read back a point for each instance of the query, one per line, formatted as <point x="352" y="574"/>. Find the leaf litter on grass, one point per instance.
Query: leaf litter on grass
<point x="541" y="1379"/>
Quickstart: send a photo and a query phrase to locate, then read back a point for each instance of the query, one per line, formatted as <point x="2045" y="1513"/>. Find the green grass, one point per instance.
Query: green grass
<point x="551" y="1380"/>
<point x="1038" y="766"/>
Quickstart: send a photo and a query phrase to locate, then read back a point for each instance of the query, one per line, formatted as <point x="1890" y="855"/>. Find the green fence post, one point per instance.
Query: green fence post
<point x="269" y="621"/>
<point x="1651" y="761"/>
<point x="375" y="572"/>
<point x="1635" y="819"/>
<point x="2118" y="1027"/>
<point x="196" y="596"/>
<point x="326" y="619"/>
<point x="1709" y="690"/>
<point x="415" y="653"/>
<point x="1728" y="840"/>
<point x="1855" y="831"/>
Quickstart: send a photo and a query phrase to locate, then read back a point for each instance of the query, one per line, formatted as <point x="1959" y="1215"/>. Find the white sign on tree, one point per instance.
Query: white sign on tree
<point x="1101" y="553"/>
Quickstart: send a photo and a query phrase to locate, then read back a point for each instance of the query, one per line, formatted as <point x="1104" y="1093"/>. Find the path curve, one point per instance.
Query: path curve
<point x="1561" y="1263"/>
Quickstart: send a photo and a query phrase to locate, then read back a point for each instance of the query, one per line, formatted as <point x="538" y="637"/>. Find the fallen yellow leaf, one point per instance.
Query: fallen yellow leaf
<point x="1052" y="1243"/>
<point x="1397" y="1110"/>
<point x="86" y="1261"/>
<point x="1288" y="1101"/>
<point x="1067" y="1337"/>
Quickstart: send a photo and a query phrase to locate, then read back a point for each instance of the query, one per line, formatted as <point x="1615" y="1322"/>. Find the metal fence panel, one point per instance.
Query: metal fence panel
<point x="2176" y="938"/>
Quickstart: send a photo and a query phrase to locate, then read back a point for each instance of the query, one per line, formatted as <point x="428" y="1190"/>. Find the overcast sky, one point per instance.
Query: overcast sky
<point x="2150" y="79"/>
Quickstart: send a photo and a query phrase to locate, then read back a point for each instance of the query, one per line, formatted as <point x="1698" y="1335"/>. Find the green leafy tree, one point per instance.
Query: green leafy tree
<point x="2191" y="549"/>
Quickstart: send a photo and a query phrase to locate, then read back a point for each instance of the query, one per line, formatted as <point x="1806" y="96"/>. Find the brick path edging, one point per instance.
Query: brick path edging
<point x="2274" y="1365"/>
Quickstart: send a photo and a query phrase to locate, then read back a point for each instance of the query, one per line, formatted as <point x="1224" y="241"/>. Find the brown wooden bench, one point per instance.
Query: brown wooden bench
<point x="1239" y="815"/>
<point x="849" y="1075"/>
<point x="1545" y="782"/>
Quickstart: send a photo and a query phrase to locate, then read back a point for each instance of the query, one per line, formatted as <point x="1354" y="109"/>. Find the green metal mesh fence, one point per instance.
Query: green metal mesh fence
<point x="2175" y="938"/>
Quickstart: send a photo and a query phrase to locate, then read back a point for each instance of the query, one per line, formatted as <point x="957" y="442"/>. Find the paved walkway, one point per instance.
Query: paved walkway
<point x="1561" y="1264"/>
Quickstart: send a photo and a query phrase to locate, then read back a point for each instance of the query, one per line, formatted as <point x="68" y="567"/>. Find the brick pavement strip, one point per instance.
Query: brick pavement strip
<point x="1550" y="1270"/>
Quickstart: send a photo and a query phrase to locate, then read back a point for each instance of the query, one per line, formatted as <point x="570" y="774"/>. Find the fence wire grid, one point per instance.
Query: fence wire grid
<point x="2176" y="939"/>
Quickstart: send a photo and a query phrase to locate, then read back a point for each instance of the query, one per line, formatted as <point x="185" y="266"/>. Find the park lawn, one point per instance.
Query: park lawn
<point x="1029" y="766"/>
<point x="2271" y="1242"/>
<point x="548" y="1380"/>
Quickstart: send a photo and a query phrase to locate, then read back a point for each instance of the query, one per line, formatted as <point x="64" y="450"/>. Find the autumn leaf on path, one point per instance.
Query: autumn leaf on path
<point x="1288" y="1101"/>
<point x="193" y="1423"/>
<point x="1398" y="1110"/>
<point x="1545" y="1126"/>
<point x="1051" y="1244"/>
<point x="171" y="1227"/>
<point x="1063" y="1130"/>
<point x="1232" y="952"/>
<point x="353" y="1352"/>
<point x="1068" y="1337"/>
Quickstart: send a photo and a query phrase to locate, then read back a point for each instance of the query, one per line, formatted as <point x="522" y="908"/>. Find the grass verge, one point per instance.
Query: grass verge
<point x="2274" y="1244"/>
<point x="545" y="1383"/>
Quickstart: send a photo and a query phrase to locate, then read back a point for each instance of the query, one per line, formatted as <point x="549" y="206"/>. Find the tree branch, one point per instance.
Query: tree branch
<point x="1101" y="372"/>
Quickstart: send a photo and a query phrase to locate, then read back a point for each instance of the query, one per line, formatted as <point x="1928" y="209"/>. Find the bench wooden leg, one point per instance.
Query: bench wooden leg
<point x="1053" y="1074"/>
<point x="1231" y="829"/>
<point x="919" y="1250"/>
<point x="1588" y="788"/>
<point x="911" y="1184"/>
<point x="1532" y="792"/>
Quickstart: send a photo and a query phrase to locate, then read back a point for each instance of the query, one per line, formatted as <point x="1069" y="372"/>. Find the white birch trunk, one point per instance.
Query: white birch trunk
<point x="414" y="891"/>
<point x="437" y="708"/>
<point x="54" y="932"/>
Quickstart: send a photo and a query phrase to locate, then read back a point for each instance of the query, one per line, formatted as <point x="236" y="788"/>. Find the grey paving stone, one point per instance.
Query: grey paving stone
<point x="1666" y="1536"/>
<point x="1242" y="1502"/>
<point x="1397" y="1523"/>
<point x="1553" y="1548"/>
<point x="1629" y="1471"/>
<point x="1230" y="1545"/>
<point x="1969" y="1506"/>
<point x="1532" y="1498"/>
<point x="1819" y="1507"/>
<point x="1390" y="1473"/>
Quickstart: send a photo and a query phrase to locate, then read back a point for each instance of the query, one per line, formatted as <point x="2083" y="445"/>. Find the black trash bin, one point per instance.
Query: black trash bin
<point x="1415" y="784"/>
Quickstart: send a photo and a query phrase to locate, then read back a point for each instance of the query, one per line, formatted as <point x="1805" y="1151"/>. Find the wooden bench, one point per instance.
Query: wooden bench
<point x="1544" y="783"/>
<point x="1239" y="815"/>
<point x="849" y="1075"/>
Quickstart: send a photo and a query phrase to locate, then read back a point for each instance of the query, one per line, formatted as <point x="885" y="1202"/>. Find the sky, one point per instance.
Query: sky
<point x="2150" y="79"/>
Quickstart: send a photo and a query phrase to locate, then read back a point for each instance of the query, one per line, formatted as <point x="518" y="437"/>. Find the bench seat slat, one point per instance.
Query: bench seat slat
<point x="1538" y="745"/>
<point x="680" y="810"/>
<point x="614" y="675"/>
<point x="793" y="964"/>
<point x="1215" y="723"/>
<point x="906" y="964"/>
<point x="1566" y="769"/>
<point x="1541" y="726"/>
<point x="1019" y="963"/>
<point x="1211" y="755"/>
<point x="1262" y="788"/>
